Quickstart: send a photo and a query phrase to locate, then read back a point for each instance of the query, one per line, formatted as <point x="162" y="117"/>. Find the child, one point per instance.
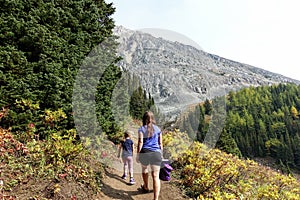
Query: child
<point x="126" y="146"/>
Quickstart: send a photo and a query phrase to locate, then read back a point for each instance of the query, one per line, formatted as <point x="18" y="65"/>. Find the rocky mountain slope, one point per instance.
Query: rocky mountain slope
<point x="178" y="75"/>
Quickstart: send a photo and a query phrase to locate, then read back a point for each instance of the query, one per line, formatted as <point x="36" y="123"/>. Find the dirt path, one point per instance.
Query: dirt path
<point x="113" y="187"/>
<point x="116" y="188"/>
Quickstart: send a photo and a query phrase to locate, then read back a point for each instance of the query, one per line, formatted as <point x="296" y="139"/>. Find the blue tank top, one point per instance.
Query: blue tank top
<point x="150" y="143"/>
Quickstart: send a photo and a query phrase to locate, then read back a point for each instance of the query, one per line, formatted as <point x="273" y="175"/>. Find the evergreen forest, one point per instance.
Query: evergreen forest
<point x="260" y="122"/>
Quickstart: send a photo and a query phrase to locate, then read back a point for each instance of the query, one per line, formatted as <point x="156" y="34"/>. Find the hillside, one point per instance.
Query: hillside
<point x="80" y="178"/>
<point x="213" y="174"/>
<point x="258" y="122"/>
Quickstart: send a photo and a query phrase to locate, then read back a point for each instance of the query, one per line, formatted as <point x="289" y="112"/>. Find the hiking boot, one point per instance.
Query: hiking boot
<point x="131" y="181"/>
<point x="124" y="177"/>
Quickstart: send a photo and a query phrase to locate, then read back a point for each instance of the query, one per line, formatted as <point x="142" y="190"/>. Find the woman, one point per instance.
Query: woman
<point x="149" y="152"/>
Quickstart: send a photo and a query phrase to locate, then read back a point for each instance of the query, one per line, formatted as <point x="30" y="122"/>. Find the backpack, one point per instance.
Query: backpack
<point x="165" y="170"/>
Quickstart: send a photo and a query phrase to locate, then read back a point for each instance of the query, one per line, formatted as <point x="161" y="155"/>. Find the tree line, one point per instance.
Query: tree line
<point x="260" y="121"/>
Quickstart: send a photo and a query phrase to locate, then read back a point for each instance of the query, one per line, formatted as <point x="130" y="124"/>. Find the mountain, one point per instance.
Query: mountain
<point x="171" y="36"/>
<point x="178" y="75"/>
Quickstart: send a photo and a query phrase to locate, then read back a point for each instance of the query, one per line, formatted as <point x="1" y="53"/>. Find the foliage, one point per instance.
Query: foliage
<point x="216" y="175"/>
<point x="227" y="144"/>
<point x="194" y="123"/>
<point x="130" y="101"/>
<point x="58" y="158"/>
<point x="61" y="148"/>
<point x="103" y="97"/>
<point x="29" y="121"/>
<point x="260" y="121"/>
<point x="42" y="46"/>
<point x="208" y="107"/>
<point x="103" y="149"/>
<point x="140" y="102"/>
<point x="174" y="144"/>
<point x="266" y="118"/>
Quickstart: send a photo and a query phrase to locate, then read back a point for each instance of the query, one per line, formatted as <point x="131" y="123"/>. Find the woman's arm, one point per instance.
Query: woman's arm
<point x="139" y="146"/>
<point x="132" y="148"/>
<point x="140" y="142"/>
<point x="160" y="142"/>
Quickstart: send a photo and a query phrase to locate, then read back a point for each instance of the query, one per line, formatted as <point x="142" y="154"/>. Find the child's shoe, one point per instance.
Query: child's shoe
<point x="131" y="181"/>
<point x="124" y="177"/>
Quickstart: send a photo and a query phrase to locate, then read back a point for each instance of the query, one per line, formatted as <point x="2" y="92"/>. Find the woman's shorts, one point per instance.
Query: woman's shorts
<point x="148" y="157"/>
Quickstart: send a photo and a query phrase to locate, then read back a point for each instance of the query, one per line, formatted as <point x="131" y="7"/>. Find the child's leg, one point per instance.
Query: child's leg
<point x="125" y="165"/>
<point x="130" y="166"/>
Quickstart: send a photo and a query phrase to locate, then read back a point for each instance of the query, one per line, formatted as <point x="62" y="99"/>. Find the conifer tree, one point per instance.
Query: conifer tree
<point x="42" y="46"/>
<point x="208" y="107"/>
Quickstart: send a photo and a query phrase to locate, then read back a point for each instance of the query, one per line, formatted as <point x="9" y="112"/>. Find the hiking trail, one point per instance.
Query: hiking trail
<point x="114" y="187"/>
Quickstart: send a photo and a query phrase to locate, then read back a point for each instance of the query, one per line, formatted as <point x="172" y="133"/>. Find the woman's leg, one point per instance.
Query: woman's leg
<point x="145" y="177"/>
<point x="156" y="182"/>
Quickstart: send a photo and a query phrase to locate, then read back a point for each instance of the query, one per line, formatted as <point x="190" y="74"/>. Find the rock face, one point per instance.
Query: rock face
<point x="178" y="75"/>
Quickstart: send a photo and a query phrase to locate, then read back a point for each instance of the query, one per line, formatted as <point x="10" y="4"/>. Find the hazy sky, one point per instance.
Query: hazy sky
<point x="265" y="33"/>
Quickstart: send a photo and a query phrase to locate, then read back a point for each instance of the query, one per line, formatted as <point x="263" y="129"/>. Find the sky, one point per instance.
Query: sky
<point x="261" y="33"/>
